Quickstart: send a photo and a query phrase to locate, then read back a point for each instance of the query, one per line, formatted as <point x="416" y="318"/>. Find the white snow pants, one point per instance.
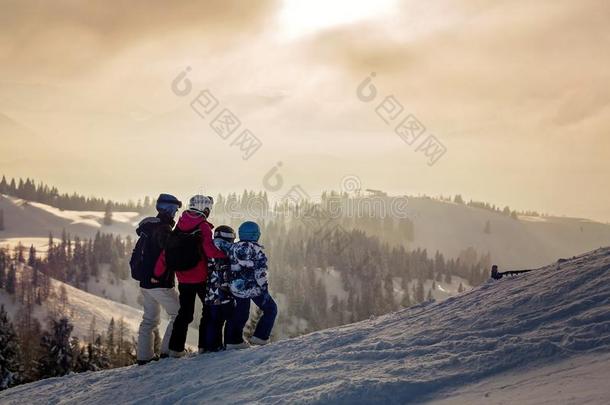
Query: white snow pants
<point x="154" y="299"/>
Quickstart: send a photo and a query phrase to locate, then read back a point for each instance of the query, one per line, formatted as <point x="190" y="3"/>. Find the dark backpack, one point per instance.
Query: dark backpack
<point x="147" y="249"/>
<point x="183" y="249"/>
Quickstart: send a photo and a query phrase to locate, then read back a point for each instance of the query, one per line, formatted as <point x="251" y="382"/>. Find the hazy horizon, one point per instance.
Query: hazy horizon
<point x="516" y="92"/>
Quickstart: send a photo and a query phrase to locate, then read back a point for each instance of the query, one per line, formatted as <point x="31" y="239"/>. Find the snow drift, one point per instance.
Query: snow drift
<point x="513" y="326"/>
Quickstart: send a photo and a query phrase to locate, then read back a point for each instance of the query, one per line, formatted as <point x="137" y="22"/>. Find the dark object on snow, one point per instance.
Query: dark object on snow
<point x="497" y="275"/>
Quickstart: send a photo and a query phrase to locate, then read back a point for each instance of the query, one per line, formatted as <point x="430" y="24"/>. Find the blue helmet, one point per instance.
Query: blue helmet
<point x="168" y="204"/>
<point x="249" y="231"/>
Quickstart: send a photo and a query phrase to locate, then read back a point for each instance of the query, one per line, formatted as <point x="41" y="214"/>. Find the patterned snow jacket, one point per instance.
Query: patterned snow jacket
<point x="218" y="290"/>
<point x="248" y="269"/>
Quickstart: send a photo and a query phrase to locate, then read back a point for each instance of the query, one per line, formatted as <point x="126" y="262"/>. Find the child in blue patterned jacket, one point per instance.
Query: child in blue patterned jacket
<point x="249" y="283"/>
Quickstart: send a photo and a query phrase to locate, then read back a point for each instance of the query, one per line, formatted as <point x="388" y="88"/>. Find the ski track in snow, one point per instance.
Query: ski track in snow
<point x="411" y="356"/>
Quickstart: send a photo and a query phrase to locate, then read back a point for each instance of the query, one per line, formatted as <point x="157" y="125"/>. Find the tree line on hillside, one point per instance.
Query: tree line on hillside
<point x="73" y="261"/>
<point x="28" y="351"/>
<point x="30" y="191"/>
<point x="28" y="355"/>
<point x="491" y="207"/>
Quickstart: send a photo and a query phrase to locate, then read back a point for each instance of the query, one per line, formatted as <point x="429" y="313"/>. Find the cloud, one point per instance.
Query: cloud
<point x="66" y="37"/>
<point x="478" y="52"/>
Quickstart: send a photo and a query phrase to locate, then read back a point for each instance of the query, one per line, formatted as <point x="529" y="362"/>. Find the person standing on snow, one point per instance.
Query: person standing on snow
<point x="152" y="233"/>
<point x="186" y="253"/>
<point x="249" y="282"/>
<point x="219" y="301"/>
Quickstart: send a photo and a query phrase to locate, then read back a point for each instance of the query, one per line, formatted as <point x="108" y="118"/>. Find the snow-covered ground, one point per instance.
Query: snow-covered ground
<point x="108" y="286"/>
<point x="542" y="337"/>
<point x="578" y="380"/>
<point x="26" y="219"/>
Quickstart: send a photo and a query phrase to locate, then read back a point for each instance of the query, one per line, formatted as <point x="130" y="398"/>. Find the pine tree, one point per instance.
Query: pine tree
<point x="108" y="214"/>
<point x="11" y="279"/>
<point x="3" y="186"/>
<point x="110" y="335"/>
<point x="121" y="343"/>
<point x="419" y="292"/>
<point x="32" y="257"/>
<point x="19" y="255"/>
<point x="63" y="300"/>
<point x="58" y="356"/>
<point x="10" y="361"/>
<point x="3" y="264"/>
<point x="98" y="356"/>
<point x="1" y="220"/>
<point x="92" y="330"/>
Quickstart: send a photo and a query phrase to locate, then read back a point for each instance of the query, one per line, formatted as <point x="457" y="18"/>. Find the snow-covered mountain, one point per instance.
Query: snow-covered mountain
<point x="526" y="242"/>
<point x="542" y="337"/>
<point x="438" y="226"/>
<point x="31" y="222"/>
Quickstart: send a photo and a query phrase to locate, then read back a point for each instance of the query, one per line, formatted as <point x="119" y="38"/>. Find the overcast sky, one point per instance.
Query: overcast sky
<point x="516" y="91"/>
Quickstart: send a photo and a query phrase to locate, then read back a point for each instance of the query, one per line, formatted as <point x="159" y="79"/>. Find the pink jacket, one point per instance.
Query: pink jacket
<point x="199" y="273"/>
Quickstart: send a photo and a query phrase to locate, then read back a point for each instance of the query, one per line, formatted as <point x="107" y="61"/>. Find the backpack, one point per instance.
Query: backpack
<point x="145" y="253"/>
<point x="183" y="249"/>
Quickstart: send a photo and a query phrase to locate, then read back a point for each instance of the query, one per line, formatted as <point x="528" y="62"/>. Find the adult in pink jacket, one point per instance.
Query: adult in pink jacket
<point x="191" y="282"/>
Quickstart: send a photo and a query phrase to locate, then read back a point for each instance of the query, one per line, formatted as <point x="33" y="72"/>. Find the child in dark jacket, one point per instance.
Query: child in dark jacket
<point x="249" y="283"/>
<point x="219" y="302"/>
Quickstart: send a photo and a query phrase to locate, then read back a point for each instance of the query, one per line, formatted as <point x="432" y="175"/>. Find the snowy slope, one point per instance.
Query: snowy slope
<point x="577" y="380"/>
<point x="24" y="219"/>
<point x="528" y="325"/>
<point x="525" y="243"/>
<point x="83" y="306"/>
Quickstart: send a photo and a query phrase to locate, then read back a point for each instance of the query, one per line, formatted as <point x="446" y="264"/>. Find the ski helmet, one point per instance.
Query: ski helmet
<point x="225" y="232"/>
<point x="168" y="204"/>
<point x="249" y="231"/>
<point x="199" y="203"/>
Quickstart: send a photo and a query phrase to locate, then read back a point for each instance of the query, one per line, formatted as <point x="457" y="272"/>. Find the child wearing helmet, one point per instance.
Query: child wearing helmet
<point x="249" y="283"/>
<point x="219" y="301"/>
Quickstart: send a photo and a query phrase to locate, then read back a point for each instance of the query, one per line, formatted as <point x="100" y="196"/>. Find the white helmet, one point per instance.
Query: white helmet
<point x="200" y="202"/>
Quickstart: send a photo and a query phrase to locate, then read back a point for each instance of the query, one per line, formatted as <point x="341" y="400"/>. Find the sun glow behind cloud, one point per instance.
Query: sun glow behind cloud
<point x="298" y="18"/>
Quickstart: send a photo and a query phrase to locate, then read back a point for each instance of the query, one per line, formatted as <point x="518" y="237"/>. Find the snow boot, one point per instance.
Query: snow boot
<point x="143" y="362"/>
<point x="258" y="341"/>
<point x="176" y="355"/>
<point x="239" y="346"/>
